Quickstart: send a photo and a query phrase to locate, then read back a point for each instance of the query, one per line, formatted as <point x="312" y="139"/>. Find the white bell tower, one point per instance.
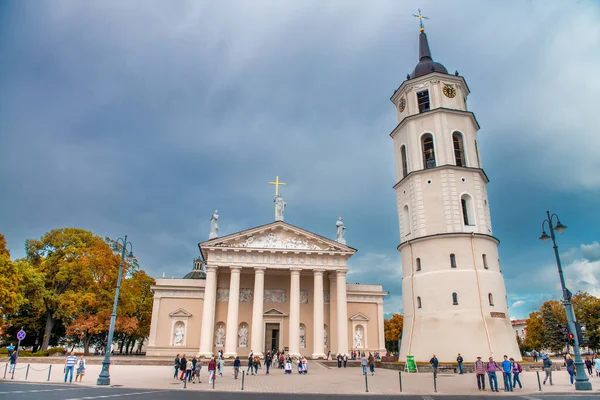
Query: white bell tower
<point x="453" y="291"/>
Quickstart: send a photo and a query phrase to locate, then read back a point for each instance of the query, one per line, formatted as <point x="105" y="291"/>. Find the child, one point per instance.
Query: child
<point x="80" y="369"/>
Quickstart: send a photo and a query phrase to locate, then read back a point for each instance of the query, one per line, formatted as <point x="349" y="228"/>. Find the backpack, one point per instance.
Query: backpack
<point x="519" y="368"/>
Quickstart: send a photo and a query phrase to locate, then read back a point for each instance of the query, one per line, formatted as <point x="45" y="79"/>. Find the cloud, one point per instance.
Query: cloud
<point x="518" y="304"/>
<point x="591" y="252"/>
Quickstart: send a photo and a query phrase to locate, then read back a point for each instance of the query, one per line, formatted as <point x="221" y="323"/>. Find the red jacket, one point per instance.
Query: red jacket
<point x="212" y="366"/>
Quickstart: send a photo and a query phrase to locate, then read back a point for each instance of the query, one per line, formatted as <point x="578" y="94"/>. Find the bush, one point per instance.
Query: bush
<point x="4" y="350"/>
<point x="55" y="350"/>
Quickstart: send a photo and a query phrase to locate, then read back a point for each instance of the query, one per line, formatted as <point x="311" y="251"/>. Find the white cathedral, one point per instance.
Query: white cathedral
<point x="278" y="286"/>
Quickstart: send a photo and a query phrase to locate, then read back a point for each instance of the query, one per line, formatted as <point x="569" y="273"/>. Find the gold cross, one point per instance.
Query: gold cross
<point x="421" y="18"/>
<point x="276" y="183"/>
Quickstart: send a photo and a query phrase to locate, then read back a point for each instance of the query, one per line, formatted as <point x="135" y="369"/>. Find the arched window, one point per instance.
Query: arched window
<point x="454" y="299"/>
<point x="452" y="261"/>
<point x="459" y="149"/>
<point x="406" y="220"/>
<point x="428" y="151"/>
<point x="404" y="161"/>
<point x="418" y="302"/>
<point x="491" y="299"/>
<point x="485" y="264"/>
<point x="466" y="203"/>
<point x="418" y="264"/>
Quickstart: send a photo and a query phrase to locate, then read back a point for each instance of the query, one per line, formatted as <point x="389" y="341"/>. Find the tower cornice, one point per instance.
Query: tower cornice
<point x="432" y="112"/>
<point x="448" y="234"/>
<point x="440" y="167"/>
<point x="425" y="78"/>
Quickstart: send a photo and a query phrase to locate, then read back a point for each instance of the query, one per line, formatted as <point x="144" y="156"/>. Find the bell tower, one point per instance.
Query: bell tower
<point x="453" y="291"/>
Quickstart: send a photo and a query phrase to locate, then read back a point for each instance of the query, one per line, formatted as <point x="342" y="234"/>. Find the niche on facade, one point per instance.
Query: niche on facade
<point x="179" y="324"/>
<point x="359" y="330"/>
<point x="220" y="334"/>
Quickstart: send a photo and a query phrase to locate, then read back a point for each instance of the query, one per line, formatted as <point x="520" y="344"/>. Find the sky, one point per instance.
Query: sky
<point x="142" y="117"/>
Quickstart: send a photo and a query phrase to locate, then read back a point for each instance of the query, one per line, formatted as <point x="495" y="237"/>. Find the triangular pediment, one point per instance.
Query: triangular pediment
<point x="278" y="235"/>
<point x="180" y="313"/>
<point x="273" y="312"/>
<point x="359" y="317"/>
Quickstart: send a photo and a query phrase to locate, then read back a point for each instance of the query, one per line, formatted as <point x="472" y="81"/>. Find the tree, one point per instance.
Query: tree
<point x="393" y="331"/>
<point x="553" y="314"/>
<point x="587" y="311"/>
<point x="523" y="348"/>
<point x="74" y="263"/>
<point x="534" y="334"/>
<point x="10" y="279"/>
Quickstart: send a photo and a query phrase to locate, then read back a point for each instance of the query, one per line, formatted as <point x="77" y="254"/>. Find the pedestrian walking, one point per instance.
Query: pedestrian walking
<point x="13" y="361"/>
<point x="345" y="359"/>
<point x="182" y="367"/>
<point x="535" y="356"/>
<point x="250" y="361"/>
<point x="547" y="362"/>
<point x="80" y="372"/>
<point x="236" y="367"/>
<point x="221" y="366"/>
<point x="268" y="361"/>
<point x="339" y="360"/>
<point x="69" y="365"/>
<point x="10" y="348"/>
<point x="372" y="364"/>
<point x="189" y="368"/>
<point x="197" y="368"/>
<point x="480" y="373"/>
<point x="570" y="363"/>
<point x="256" y="364"/>
<point x="460" y="360"/>
<point x="212" y="367"/>
<point x="516" y="370"/>
<point x="434" y="364"/>
<point x="588" y="364"/>
<point x="176" y="364"/>
<point x="597" y="365"/>
<point x="364" y="362"/>
<point x="491" y="368"/>
<point x="506" y="374"/>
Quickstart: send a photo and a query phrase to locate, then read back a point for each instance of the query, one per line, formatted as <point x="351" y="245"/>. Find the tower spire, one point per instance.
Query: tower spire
<point x="426" y="64"/>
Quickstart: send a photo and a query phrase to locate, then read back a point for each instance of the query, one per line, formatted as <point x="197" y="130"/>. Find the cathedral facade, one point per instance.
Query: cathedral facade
<point x="273" y="287"/>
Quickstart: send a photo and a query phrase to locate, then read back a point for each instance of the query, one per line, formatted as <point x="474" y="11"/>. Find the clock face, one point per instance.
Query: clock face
<point x="449" y="91"/>
<point x="402" y="104"/>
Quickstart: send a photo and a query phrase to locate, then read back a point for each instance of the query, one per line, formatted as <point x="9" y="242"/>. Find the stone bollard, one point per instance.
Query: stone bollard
<point x="27" y="372"/>
<point x="366" y="383"/>
<point x="400" y="380"/>
<point x="243" y="373"/>
<point x="49" y="372"/>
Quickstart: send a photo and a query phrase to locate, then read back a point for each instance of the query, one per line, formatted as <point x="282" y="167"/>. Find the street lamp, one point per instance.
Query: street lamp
<point x="104" y="377"/>
<point x="581" y="380"/>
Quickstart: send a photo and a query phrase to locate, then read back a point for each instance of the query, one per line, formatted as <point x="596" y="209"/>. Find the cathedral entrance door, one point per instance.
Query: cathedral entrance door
<point x="272" y="337"/>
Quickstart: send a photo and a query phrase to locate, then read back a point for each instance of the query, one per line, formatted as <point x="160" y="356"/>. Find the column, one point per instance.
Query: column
<point x="294" y="338"/>
<point x="342" y="313"/>
<point x="318" y="317"/>
<point x="154" y="321"/>
<point x="380" y="327"/>
<point x="231" y="332"/>
<point x="208" y="313"/>
<point x="257" y="337"/>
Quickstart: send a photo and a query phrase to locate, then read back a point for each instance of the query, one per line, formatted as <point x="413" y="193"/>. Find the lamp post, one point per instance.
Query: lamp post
<point x="104" y="377"/>
<point x="581" y="380"/>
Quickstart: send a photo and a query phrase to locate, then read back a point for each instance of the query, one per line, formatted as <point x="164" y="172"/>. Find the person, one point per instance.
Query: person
<point x="329" y="355"/>
<point x="80" y="372"/>
<point x="434" y="363"/>
<point x="535" y="356"/>
<point x="516" y="370"/>
<point x="570" y="363"/>
<point x="372" y="364"/>
<point x="176" y="366"/>
<point x="339" y="360"/>
<point x="597" y="365"/>
<point x="459" y="360"/>
<point x="197" y="368"/>
<point x="11" y="348"/>
<point x="480" y="373"/>
<point x="506" y="374"/>
<point x="236" y="367"/>
<point x="268" y="361"/>
<point x="345" y="360"/>
<point x="221" y="366"/>
<point x="250" y="360"/>
<point x="491" y="368"/>
<point x="182" y="367"/>
<point x="588" y="365"/>
<point x="364" y="362"/>
<point x="256" y="364"/>
<point x="547" y="363"/>
<point x="189" y="368"/>
<point x="299" y="365"/>
<point x="304" y="366"/>
<point x="13" y="361"/>
<point x="288" y="366"/>
<point x="212" y="367"/>
<point x="69" y="365"/>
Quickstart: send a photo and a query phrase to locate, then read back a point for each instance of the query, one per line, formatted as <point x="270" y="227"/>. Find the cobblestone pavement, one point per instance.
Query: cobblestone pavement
<point x="319" y="379"/>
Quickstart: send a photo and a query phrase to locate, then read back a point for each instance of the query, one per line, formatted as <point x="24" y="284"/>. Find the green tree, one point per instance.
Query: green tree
<point x="534" y="334"/>
<point x="10" y="280"/>
<point x="553" y="314"/>
<point x="587" y="311"/>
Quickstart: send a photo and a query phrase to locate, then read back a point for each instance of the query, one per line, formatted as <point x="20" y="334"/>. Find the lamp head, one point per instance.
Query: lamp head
<point x="114" y="246"/>
<point x="560" y="228"/>
<point x="544" y="238"/>
<point x="130" y="256"/>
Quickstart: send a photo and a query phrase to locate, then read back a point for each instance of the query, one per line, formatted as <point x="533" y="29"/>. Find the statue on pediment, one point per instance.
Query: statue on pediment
<point x="214" y="225"/>
<point x="279" y="207"/>
<point x="340" y="231"/>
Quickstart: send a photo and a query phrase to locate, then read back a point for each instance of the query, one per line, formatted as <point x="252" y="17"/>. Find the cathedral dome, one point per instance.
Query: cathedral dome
<point x="426" y="64"/>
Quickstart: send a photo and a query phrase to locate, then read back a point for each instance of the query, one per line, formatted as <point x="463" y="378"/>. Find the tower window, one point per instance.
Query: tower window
<point x="428" y="151"/>
<point x="423" y="101"/>
<point x="404" y="161"/>
<point x="406" y="220"/>
<point x="454" y="299"/>
<point x="491" y="299"/>
<point x="485" y="264"/>
<point x="418" y="302"/>
<point x="418" y="264"/>
<point x="459" y="151"/>
<point x="452" y="261"/>
<point x="466" y="204"/>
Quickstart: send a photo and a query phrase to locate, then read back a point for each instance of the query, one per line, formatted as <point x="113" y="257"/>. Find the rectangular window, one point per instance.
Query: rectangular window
<point x="423" y="101"/>
<point x="452" y="261"/>
<point x="463" y="204"/>
<point x="418" y="264"/>
<point x="485" y="264"/>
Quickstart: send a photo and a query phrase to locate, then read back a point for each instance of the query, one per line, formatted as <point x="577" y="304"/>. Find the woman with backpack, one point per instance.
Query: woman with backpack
<point x="516" y="370"/>
<point x="570" y="368"/>
<point x="547" y="368"/>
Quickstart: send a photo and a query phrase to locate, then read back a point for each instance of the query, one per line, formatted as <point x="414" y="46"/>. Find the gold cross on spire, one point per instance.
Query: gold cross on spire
<point x="421" y="18"/>
<point x="276" y="183"/>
